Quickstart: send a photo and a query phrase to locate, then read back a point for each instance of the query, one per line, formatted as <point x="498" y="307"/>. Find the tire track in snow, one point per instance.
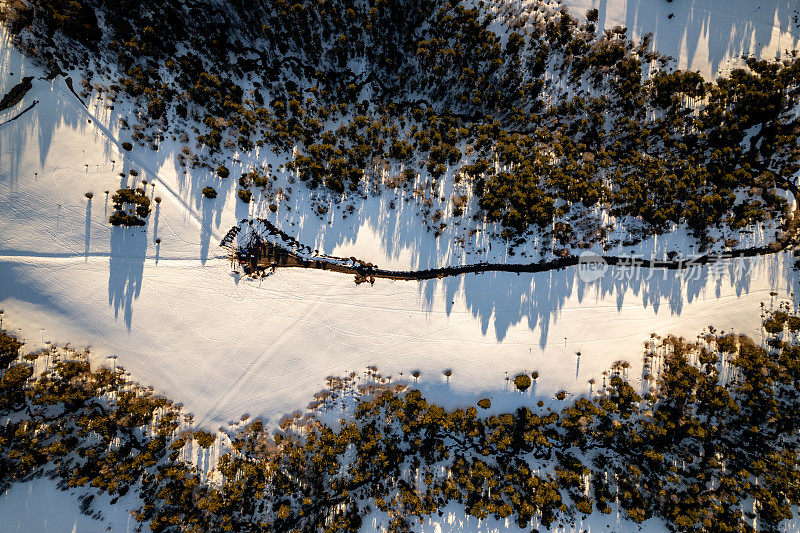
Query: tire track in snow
<point x="249" y="370"/>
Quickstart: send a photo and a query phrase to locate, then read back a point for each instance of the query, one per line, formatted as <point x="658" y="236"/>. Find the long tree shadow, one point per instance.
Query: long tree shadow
<point x="88" y="229"/>
<point x="503" y="300"/>
<point x="126" y="267"/>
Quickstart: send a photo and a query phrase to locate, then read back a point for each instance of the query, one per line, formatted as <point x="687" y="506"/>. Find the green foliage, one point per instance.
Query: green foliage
<point x="446" y="94"/>
<point x="522" y="382"/>
<point x="244" y="195"/>
<point x="204" y="439"/>
<point x="9" y="349"/>
<point x="12" y="385"/>
<point x="132" y="207"/>
<point x="691" y="454"/>
<point x="209" y="192"/>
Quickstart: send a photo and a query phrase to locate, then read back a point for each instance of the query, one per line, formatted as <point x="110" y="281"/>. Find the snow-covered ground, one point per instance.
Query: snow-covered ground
<point x="710" y="36"/>
<point x="179" y="320"/>
<point x="38" y="506"/>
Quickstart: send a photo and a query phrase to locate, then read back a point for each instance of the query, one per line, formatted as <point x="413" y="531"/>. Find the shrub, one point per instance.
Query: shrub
<point x="773" y="326"/>
<point x="273" y="208"/>
<point x="9" y="347"/>
<point x="158" y="199"/>
<point x="726" y="344"/>
<point x="209" y="192"/>
<point x="89" y="195"/>
<point x="204" y="439"/>
<point x="135" y="197"/>
<point x="223" y="172"/>
<point x="132" y="206"/>
<point x="127" y="146"/>
<point x="584" y="506"/>
<point x="522" y="382"/>
<point x="484" y="403"/>
<point x="561" y="395"/>
<point x="121" y="218"/>
<point x="244" y="195"/>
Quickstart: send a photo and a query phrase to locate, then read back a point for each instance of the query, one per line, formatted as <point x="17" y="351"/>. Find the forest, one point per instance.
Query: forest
<point x="707" y="440"/>
<point x="539" y="115"/>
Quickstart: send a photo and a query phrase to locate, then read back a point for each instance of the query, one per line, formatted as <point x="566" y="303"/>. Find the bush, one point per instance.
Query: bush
<point x="132" y="197"/>
<point x="9" y="348"/>
<point x="204" y="439"/>
<point x="223" y="172"/>
<point x="209" y="192"/>
<point x="244" y="195"/>
<point x="121" y="218"/>
<point x="522" y="382"/>
<point x="127" y="146"/>
<point x="89" y="195"/>
<point x="484" y="403"/>
<point x="132" y="206"/>
<point x="273" y="208"/>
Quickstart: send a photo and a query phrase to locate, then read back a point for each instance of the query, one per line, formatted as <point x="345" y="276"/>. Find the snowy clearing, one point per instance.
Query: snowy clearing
<point x="163" y="301"/>
<point x="179" y="320"/>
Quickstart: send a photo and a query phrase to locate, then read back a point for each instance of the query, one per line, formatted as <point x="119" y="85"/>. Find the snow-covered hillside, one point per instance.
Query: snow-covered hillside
<point x="179" y="319"/>
<point x="710" y="36"/>
<point x="163" y="299"/>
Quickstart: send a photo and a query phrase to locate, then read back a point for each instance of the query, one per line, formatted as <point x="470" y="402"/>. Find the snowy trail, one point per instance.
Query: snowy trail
<point x="23" y="256"/>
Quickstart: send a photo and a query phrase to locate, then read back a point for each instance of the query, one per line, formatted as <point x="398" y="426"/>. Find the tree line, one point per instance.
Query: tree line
<point x="707" y="442"/>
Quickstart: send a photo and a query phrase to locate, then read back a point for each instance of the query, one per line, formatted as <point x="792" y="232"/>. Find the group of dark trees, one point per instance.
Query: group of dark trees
<point x="710" y="445"/>
<point x="537" y="116"/>
<point x="131" y="207"/>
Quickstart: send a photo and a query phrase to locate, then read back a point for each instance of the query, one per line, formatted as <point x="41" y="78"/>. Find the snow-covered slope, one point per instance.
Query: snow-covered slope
<point x="705" y="35"/>
<point x="38" y="506"/>
<point x="180" y="320"/>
